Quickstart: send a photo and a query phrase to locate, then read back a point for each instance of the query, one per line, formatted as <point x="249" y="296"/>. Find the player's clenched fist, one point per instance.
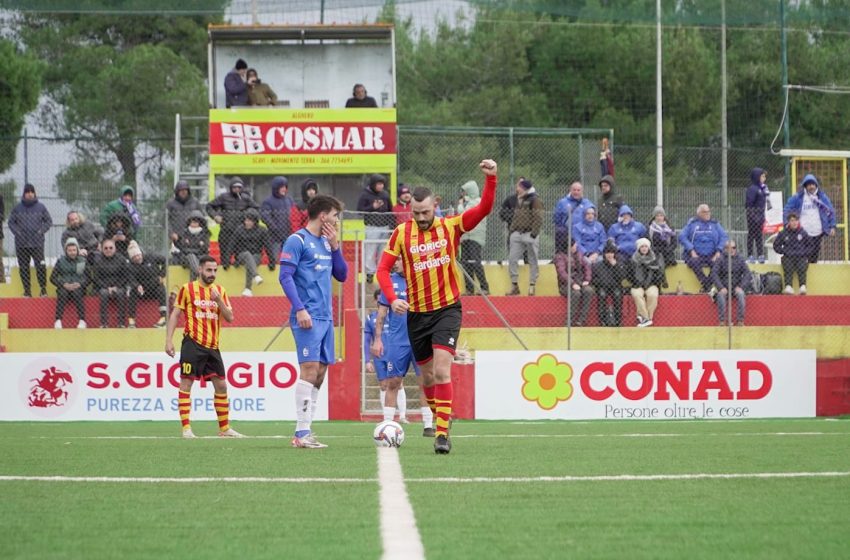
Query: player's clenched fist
<point x="488" y="166"/>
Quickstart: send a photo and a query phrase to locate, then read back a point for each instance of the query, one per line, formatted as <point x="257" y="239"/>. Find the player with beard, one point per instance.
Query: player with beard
<point x="204" y="303"/>
<point x="428" y="247"/>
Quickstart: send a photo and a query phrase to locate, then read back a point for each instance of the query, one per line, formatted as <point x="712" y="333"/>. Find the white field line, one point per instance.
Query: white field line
<point x="399" y="534"/>
<point x="476" y="479"/>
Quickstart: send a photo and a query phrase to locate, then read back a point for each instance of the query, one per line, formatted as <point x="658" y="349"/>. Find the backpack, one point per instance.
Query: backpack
<point x="771" y="283"/>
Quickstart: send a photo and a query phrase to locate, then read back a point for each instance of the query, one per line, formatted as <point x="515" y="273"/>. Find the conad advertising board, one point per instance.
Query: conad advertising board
<point x="143" y="386"/>
<point x="652" y="384"/>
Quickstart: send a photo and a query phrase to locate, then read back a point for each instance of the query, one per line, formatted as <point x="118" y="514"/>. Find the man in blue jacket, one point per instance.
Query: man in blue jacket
<point x="275" y="212"/>
<point x="568" y="212"/>
<point x="702" y="241"/>
<point x="29" y="222"/>
<point x="817" y="215"/>
<point x="626" y="231"/>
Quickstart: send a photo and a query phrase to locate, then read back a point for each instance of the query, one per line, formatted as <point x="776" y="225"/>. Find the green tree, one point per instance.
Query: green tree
<point x="20" y="85"/>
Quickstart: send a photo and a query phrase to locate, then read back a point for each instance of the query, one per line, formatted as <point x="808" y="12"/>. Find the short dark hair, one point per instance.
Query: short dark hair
<point x="241" y="64"/>
<point x="354" y="89"/>
<point x="793" y="215"/>
<point x="205" y="259"/>
<point x="322" y="203"/>
<point x="421" y="193"/>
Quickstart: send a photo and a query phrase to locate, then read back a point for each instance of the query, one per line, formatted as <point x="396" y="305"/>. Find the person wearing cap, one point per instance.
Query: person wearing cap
<point x="590" y="235"/>
<point x="29" y="222"/>
<point x="663" y="237"/>
<point x="119" y="230"/>
<point x="252" y="240"/>
<point x="193" y="243"/>
<point x="626" y="231"/>
<point x="124" y="204"/>
<point x="647" y="281"/>
<point x="730" y="273"/>
<point x="147" y="281"/>
<point x="574" y="276"/>
<point x="236" y="86"/>
<point x="228" y="209"/>
<point x="607" y="277"/>
<point x="298" y="217"/>
<point x="111" y="277"/>
<point x="795" y="246"/>
<point x="179" y="208"/>
<point x="472" y="243"/>
<point x="276" y="211"/>
<point x="375" y="208"/>
<point x="70" y="278"/>
<point x="817" y="215"/>
<point x="702" y="240"/>
<point x="525" y="235"/>
<point x="609" y="202"/>
<point x="402" y="207"/>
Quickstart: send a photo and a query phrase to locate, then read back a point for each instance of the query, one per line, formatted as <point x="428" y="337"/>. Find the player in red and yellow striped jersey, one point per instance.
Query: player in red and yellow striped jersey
<point x="428" y="249"/>
<point x="203" y="303"/>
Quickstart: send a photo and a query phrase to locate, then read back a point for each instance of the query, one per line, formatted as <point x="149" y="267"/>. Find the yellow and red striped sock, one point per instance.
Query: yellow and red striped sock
<point x="443" y="398"/>
<point x="429" y="398"/>
<point x="222" y="410"/>
<point x="184" y="406"/>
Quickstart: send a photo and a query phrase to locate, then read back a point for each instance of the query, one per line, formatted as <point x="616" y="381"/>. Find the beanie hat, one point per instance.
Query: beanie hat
<point x="526" y="184"/>
<point x="241" y="64"/>
<point x="133" y="249"/>
<point x="403" y="189"/>
<point x="659" y="210"/>
<point x="641" y="242"/>
<point x="279" y="181"/>
<point x="181" y="185"/>
<point x="236" y="181"/>
<point x="29" y="188"/>
<point x="610" y="247"/>
<point x="72" y="241"/>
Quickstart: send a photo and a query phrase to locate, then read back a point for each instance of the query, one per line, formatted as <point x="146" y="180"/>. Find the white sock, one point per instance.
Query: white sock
<point x="314" y="396"/>
<point x="427" y="417"/>
<point x="402" y="403"/>
<point x="389" y="413"/>
<point x="383" y="397"/>
<point x="303" y="405"/>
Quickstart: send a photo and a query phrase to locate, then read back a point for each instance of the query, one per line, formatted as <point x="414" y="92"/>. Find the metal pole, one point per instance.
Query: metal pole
<point x="724" y="155"/>
<point x="786" y="131"/>
<point x="26" y="158"/>
<point x="659" y="117"/>
<point x="322" y="13"/>
<point x="581" y="160"/>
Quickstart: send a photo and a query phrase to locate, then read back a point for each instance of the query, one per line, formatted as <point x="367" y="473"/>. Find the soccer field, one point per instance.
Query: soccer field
<point x="744" y="489"/>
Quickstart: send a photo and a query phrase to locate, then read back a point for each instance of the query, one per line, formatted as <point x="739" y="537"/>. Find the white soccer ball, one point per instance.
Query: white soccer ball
<point x="388" y="434"/>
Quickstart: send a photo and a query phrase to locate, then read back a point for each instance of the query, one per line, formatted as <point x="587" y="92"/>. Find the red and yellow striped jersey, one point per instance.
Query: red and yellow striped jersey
<point x="203" y="316"/>
<point x="430" y="262"/>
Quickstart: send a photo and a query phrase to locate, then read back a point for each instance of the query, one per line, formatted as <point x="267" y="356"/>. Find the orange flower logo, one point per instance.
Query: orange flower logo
<point x="547" y="381"/>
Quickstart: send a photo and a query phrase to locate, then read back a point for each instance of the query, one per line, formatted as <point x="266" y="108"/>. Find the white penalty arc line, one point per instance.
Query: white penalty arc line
<point x="399" y="533"/>
<point x="475" y="479"/>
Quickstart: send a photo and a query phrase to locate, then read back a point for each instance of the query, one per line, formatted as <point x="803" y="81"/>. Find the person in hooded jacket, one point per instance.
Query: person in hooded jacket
<point x="375" y="207"/>
<point x="607" y="277"/>
<point x="590" y="235"/>
<point x="119" y="230"/>
<point x="87" y="234"/>
<point x="276" y="211"/>
<point x="29" y="222"/>
<point x="179" y="208"/>
<point x="298" y="217"/>
<point x="70" y="277"/>
<point x="609" y="202"/>
<point x="756" y="200"/>
<point x="193" y="243"/>
<point x="817" y="215"/>
<point x="472" y="243"/>
<point x="663" y="237"/>
<point x="626" y="231"/>
<point x="252" y="240"/>
<point x="702" y="241"/>
<point x="647" y="281"/>
<point x="228" y="209"/>
<point x="126" y="204"/>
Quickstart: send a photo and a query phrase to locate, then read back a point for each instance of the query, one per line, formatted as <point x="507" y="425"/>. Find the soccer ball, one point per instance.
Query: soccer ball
<point x="388" y="434"/>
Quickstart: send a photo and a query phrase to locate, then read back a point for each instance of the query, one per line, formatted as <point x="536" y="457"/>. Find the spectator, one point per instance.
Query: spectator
<point x="2" y="218"/>
<point x="402" y="208"/>
<point x="276" y="212"/>
<point x="574" y="276"/>
<point x="123" y="204"/>
<point x="663" y="237"/>
<point x="609" y="202"/>
<point x="794" y="244"/>
<point x="524" y="235"/>
<point x="193" y="243"/>
<point x="29" y="221"/>
<point x="235" y="88"/>
<point x="606" y="160"/>
<point x="86" y="233"/>
<point x="228" y="209"/>
<point x="574" y="204"/>
<point x="647" y="280"/>
<point x="70" y="278"/>
<point x="817" y="215"/>
<point x="368" y="336"/>
<point x="179" y="208"/>
<point x="147" y="281"/>
<point x="626" y="232"/>
<point x="251" y="240"/>
<point x="472" y="242"/>
<point x="738" y="280"/>
<point x="376" y="209"/>
<point x="259" y="94"/>
<point x="590" y="235"/>
<point x="607" y="277"/>
<point x="756" y="200"/>
<point x="506" y="214"/>
<point x="298" y="219"/>
<point x="119" y="230"/>
<point x="438" y="210"/>
<point x="111" y="275"/>
<point x="702" y="239"/>
<point x="359" y="98"/>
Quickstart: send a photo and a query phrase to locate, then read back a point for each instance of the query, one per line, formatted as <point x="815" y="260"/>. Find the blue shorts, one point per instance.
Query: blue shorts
<point x="315" y="344"/>
<point x="395" y="363"/>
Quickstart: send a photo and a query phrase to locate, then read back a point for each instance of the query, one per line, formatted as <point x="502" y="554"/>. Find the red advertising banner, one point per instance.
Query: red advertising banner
<point x="237" y="138"/>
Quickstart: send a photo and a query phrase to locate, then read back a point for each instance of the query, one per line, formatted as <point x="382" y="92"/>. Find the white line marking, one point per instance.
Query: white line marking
<point x="638" y="477"/>
<point x="399" y="533"/>
<point x="188" y="480"/>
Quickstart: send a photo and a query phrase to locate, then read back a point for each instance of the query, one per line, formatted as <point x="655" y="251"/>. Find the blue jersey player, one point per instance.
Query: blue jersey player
<point x="394" y="356"/>
<point x="308" y="259"/>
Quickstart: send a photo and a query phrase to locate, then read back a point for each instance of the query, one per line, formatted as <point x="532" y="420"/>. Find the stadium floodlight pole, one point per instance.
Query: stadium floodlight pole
<point x="493" y="308"/>
<point x="724" y="150"/>
<point x="659" y="128"/>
